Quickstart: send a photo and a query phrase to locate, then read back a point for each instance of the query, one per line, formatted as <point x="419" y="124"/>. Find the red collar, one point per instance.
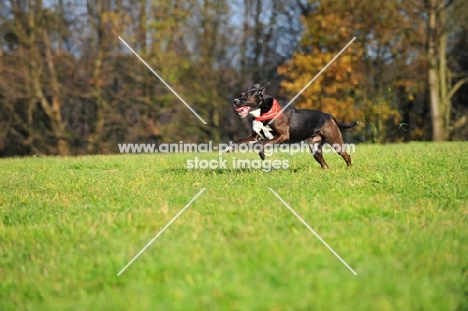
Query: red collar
<point x="275" y="109"/>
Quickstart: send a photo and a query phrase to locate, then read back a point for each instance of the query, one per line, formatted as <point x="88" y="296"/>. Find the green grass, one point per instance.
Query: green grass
<point x="398" y="217"/>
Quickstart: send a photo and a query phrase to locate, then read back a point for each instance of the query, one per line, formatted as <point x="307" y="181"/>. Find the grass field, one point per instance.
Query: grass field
<point x="398" y="217"/>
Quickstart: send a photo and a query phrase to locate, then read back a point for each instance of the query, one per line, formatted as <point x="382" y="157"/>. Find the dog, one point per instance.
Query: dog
<point x="289" y="126"/>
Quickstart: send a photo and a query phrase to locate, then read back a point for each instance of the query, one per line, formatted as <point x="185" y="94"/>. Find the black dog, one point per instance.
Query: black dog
<point x="290" y="126"/>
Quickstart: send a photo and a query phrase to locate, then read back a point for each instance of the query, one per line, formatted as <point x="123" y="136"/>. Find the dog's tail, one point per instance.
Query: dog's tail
<point x="345" y="126"/>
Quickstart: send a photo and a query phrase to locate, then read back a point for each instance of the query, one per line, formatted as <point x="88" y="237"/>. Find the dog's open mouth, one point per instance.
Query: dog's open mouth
<point x="242" y="110"/>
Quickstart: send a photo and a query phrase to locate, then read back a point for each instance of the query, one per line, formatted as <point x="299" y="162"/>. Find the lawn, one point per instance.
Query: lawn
<point x="398" y="217"/>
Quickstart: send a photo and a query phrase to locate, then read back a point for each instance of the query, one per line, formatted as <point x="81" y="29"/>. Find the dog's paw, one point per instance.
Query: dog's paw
<point x="228" y="149"/>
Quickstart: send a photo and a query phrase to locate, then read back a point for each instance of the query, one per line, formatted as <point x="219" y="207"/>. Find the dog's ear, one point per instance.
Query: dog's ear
<point x="261" y="91"/>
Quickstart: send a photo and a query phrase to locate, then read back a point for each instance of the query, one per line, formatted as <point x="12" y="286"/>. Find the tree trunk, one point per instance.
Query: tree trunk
<point x="52" y="109"/>
<point x="257" y="70"/>
<point x="143" y="51"/>
<point x="96" y="129"/>
<point x="58" y="127"/>
<point x="61" y="26"/>
<point x="444" y="104"/>
<point x="437" y="129"/>
<point x="437" y="132"/>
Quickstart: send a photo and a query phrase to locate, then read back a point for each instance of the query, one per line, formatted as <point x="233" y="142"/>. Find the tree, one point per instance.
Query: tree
<point x="29" y="32"/>
<point x="326" y="32"/>
<point x="441" y="91"/>
<point x="398" y="53"/>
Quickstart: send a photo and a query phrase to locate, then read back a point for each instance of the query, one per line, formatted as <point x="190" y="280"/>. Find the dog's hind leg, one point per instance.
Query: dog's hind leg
<point x="315" y="145"/>
<point x="331" y="133"/>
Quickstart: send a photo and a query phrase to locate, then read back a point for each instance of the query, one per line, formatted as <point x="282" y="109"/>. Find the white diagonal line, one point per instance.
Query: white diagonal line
<point x="312" y="230"/>
<point x="162" y="80"/>
<point x="160" y="232"/>
<point x="311" y="81"/>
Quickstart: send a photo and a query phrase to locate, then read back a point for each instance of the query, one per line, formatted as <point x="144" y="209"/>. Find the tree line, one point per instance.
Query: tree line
<point x="69" y="86"/>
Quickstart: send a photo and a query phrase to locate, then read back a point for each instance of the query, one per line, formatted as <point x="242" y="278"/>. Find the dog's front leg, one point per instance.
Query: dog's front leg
<point x="252" y="138"/>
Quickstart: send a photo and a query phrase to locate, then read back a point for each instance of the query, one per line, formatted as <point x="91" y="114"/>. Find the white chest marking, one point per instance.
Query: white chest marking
<point x="263" y="131"/>
<point x="255" y="113"/>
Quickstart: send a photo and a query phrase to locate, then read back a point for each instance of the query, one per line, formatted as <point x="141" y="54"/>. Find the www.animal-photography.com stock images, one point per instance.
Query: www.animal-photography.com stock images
<point x="234" y="155"/>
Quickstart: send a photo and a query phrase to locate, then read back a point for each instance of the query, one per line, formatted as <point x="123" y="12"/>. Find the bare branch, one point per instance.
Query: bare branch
<point x="444" y="6"/>
<point x="459" y="74"/>
<point x="455" y="88"/>
<point x="50" y="63"/>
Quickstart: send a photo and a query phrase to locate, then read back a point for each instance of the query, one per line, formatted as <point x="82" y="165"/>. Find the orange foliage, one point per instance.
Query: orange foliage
<point x="355" y="87"/>
<point x="335" y="89"/>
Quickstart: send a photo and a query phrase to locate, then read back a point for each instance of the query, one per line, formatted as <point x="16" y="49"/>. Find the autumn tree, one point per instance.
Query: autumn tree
<point x="386" y="86"/>
<point x="264" y="36"/>
<point x="35" y="78"/>
<point x="56" y="83"/>
<point x="326" y="31"/>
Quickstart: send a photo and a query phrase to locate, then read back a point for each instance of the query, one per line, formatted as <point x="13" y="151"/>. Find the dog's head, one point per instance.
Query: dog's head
<point x="249" y="100"/>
